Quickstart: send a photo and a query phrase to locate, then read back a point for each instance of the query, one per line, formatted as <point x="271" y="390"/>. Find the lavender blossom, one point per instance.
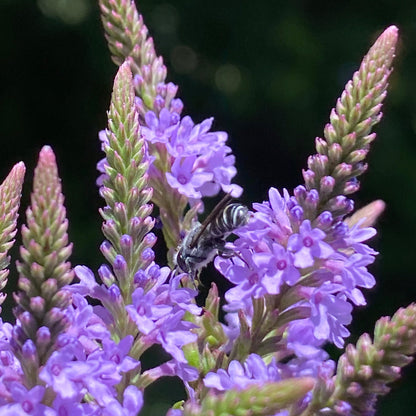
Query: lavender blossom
<point x="26" y="401"/>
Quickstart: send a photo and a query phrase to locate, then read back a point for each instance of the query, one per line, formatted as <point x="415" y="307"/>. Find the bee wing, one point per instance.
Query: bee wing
<point x="211" y="216"/>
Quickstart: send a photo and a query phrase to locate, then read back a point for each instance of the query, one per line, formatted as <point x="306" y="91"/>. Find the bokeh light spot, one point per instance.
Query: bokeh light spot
<point x="184" y="59"/>
<point x="228" y="78"/>
<point x="71" y="12"/>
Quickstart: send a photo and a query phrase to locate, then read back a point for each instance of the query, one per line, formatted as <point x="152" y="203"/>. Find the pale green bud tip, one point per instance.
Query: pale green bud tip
<point x="289" y="391"/>
<point x="384" y="46"/>
<point x="367" y="215"/>
<point x="10" y="192"/>
<point x="388" y="39"/>
<point x="14" y="179"/>
<point x="257" y="399"/>
<point x="47" y="156"/>
<point x="123" y="91"/>
<point x="124" y="72"/>
<point x="46" y="171"/>
<point x="18" y="172"/>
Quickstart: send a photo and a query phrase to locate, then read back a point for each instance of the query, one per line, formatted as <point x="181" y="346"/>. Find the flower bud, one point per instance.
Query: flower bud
<point x="43" y="336"/>
<point x="148" y="255"/>
<point x="319" y="164"/>
<point x="140" y="278"/>
<point x="161" y="89"/>
<point x="105" y="275"/>
<point x="49" y="288"/>
<point x="348" y="142"/>
<point x="324" y="220"/>
<point x="29" y="350"/>
<point x="296" y="214"/>
<point x="120" y="268"/>
<point x="335" y="153"/>
<point x="108" y="251"/>
<point x="37" y="305"/>
<point x="138" y="82"/>
<point x="342" y="171"/>
<point x="176" y="105"/>
<point x="351" y="186"/>
<point x="321" y="146"/>
<point x="327" y="185"/>
<point x="300" y="193"/>
<point x="330" y="133"/>
<point x="150" y="239"/>
<point x="171" y="91"/>
<point x="114" y="294"/>
<point x="357" y="156"/>
<point x="126" y="246"/>
<point x="312" y="199"/>
<point x="158" y="103"/>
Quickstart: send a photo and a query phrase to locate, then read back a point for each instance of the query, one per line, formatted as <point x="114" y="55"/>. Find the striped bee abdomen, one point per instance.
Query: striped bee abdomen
<point x="233" y="216"/>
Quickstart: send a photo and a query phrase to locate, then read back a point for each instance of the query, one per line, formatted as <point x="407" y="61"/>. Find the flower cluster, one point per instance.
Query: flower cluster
<point x="199" y="163"/>
<point x="322" y="263"/>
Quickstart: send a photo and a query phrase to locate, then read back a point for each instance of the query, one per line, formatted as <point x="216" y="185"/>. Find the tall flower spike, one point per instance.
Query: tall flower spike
<point x="188" y="161"/>
<point x="10" y="192"/>
<point x="365" y="370"/>
<point x="333" y="171"/>
<point x="127" y="38"/>
<point x="126" y="217"/>
<point x="44" y="269"/>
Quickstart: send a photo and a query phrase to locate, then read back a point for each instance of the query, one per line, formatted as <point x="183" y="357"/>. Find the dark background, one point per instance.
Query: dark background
<point x="269" y="71"/>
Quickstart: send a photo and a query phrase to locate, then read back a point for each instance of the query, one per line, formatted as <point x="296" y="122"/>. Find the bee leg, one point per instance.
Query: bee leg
<point x="229" y="253"/>
<point x="224" y="251"/>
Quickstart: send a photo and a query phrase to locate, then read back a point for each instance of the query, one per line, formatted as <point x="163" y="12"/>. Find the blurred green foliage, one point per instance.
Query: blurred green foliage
<point x="269" y="71"/>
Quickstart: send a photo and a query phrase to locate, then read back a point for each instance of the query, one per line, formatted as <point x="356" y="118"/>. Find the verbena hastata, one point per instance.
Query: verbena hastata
<point x="300" y="266"/>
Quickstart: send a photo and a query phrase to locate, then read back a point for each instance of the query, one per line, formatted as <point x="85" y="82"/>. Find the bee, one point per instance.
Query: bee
<point x="207" y="240"/>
